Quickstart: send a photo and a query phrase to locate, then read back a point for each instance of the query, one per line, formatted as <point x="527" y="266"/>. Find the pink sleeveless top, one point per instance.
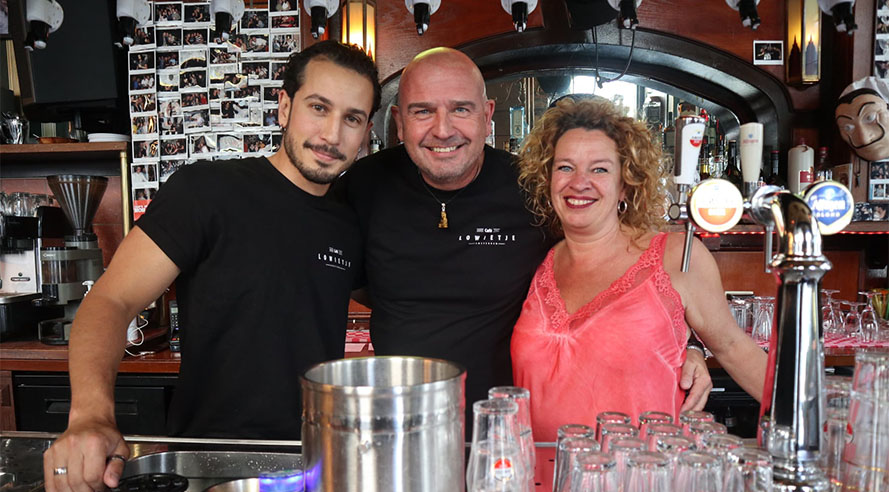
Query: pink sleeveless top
<point x="623" y="351"/>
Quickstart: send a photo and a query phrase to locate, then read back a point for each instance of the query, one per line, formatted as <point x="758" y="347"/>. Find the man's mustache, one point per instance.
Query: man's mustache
<point x="331" y="151"/>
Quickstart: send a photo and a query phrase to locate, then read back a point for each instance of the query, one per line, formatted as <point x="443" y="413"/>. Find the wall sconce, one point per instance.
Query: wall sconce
<point x="803" y="42"/>
<point x="360" y="25"/>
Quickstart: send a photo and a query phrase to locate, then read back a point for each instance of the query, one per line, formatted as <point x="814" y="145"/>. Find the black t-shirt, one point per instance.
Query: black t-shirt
<point x="450" y="293"/>
<point x="266" y="273"/>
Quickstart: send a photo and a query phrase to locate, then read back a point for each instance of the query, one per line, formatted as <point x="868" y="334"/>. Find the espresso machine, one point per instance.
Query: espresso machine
<point x="68" y="271"/>
<point x="21" y="239"/>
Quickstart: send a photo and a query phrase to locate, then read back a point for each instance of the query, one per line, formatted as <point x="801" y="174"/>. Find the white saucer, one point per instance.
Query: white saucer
<point x="107" y="137"/>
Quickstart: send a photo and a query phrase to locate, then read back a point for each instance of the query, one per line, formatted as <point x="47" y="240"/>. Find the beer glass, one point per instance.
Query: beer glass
<point x="522" y="397"/>
<point x="866" y="450"/>
<point x="652" y="417"/>
<point x="610" y="418"/>
<point x="594" y="471"/>
<point x="496" y="462"/>
<point x="648" y="472"/>
<point x="564" y="432"/>
<point x="747" y="470"/>
<point x="837" y="390"/>
<point x="656" y="431"/>
<point x="624" y="447"/>
<point x="698" y="472"/>
<point x="614" y="431"/>
<point x="569" y="449"/>
<point x="698" y="430"/>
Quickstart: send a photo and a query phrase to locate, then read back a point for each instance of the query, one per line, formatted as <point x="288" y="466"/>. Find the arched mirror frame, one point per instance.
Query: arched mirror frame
<point x="693" y="68"/>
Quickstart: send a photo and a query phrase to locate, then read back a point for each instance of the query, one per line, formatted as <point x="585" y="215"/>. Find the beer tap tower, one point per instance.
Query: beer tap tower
<point x="791" y="410"/>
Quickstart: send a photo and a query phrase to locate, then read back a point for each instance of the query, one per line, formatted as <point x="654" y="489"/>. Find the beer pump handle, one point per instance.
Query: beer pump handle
<point x="686" y="249"/>
<point x="767" y="248"/>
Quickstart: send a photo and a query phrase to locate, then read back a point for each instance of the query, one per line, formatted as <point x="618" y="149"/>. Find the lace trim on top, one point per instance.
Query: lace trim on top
<point x="649" y="265"/>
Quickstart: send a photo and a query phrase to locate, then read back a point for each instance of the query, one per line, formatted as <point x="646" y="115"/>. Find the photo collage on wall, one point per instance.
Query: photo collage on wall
<point x="881" y="43"/>
<point x="194" y="99"/>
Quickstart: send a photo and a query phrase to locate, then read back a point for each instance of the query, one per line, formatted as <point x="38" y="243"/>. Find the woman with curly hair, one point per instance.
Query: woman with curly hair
<point x="606" y="321"/>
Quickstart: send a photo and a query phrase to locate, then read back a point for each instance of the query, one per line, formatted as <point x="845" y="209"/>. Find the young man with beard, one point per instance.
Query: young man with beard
<point x="263" y="278"/>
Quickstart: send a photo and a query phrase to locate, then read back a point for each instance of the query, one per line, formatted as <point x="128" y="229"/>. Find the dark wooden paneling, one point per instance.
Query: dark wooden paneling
<point x="743" y="270"/>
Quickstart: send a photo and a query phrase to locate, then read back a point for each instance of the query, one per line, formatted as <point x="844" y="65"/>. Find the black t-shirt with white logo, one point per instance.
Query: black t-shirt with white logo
<point x="266" y="272"/>
<point x="452" y="293"/>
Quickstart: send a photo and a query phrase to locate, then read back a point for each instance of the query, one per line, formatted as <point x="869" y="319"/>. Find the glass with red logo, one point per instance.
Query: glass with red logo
<point x="495" y="460"/>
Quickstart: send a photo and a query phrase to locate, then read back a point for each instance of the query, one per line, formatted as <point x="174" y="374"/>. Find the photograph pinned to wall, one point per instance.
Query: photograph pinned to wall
<point x="278" y="69"/>
<point x="251" y="92"/>
<point x="270" y="118"/>
<point x="217" y="73"/>
<point x="257" y="44"/>
<point x="145" y="126"/>
<point x="169" y="38"/>
<point x="768" y="52"/>
<point x="167" y="60"/>
<point x="143" y="103"/>
<point x="235" y="110"/>
<point x="145" y="149"/>
<point x="221" y="56"/>
<point x="214" y="93"/>
<point x="881" y="47"/>
<point x="172" y="125"/>
<point x="202" y="145"/>
<point x="284" y="21"/>
<point x="881" y="69"/>
<point x="142" y="81"/>
<point x="143" y="39"/>
<point x="144" y="194"/>
<point x="195" y="37"/>
<point x="167" y="13"/>
<point x="193" y="59"/>
<point x="257" y="71"/>
<point x="141" y="60"/>
<point x="270" y="93"/>
<point x="172" y="148"/>
<point x="254" y="116"/>
<point x="196" y="13"/>
<point x="167" y="168"/>
<point x="237" y="43"/>
<point x="193" y="80"/>
<point x="276" y="141"/>
<point x="195" y="100"/>
<point x="285" y="43"/>
<point x="878" y="182"/>
<point x="257" y="142"/>
<point x="170" y="106"/>
<point x="255" y="19"/>
<point x="168" y="81"/>
<point x="230" y="143"/>
<point x="216" y="118"/>
<point x="882" y="26"/>
<point x="284" y="6"/>
<point x="141" y="199"/>
<point x="143" y="174"/>
<point x="197" y="120"/>
<point x="234" y="81"/>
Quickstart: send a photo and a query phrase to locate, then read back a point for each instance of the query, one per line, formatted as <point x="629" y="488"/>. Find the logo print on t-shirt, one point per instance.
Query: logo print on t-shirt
<point x="334" y="258"/>
<point x="487" y="236"/>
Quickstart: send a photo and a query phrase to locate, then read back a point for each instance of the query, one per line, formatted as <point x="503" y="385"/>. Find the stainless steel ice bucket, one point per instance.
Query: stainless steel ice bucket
<point x="384" y="424"/>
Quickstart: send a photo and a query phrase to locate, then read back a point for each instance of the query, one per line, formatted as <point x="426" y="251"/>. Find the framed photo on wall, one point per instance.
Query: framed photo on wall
<point x="878" y="184"/>
<point x="768" y="52"/>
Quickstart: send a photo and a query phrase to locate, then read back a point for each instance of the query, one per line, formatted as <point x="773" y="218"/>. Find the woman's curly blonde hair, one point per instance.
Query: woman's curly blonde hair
<point x="639" y="162"/>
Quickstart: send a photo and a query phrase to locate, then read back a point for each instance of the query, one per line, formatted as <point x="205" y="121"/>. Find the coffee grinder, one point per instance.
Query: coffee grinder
<point x="67" y="272"/>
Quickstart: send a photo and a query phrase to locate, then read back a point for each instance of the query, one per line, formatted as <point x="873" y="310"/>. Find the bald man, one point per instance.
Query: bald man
<point x="450" y="248"/>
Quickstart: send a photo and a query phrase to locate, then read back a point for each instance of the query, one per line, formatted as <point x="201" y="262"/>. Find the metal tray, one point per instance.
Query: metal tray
<point x="203" y="469"/>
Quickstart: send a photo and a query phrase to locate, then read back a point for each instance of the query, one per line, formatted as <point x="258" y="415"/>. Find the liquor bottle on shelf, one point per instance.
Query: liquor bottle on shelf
<point x="669" y="135"/>
<point x="704" y="162"/>
<point x="733" y="166"/>
<point x="822" y="165"/>
<point x="775" y="178"/>
<point x="717" y="165"/>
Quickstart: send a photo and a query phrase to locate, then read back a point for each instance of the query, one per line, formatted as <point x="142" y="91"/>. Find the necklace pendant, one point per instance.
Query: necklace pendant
<point x="443" y="223"/>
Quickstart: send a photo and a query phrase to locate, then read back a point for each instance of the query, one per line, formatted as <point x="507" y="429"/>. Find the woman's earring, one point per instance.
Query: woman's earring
<point x="622" y="206"/>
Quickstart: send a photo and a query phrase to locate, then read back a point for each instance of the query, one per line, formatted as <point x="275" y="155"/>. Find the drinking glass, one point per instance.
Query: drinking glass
<point x="648" y="472"/>
<point x="610" y="418"/>
<point x="522" y="397"/>
<point x="622" y="448"/>
<point x="652" y="417"/>
<point x="748" y="470"/>
<point x="739" y="308"/>
<point x="866" y="450"/>
<point x="614" y="431"/>
<point x="656" y="431"/>
<point x="762" y="320"/>
<point x="720" y="444"/>
<point x="837" y="390"/>
<point x="673" y="446"/>
<point x="830" y="314"/>
<point x="870" y="323"/>
<point x="564" y="432"/>
<point x="691" y="416"/>
<point x="697" y="472"/>
<point x="852" y="324"/>
<point x="496" y="462"/>
<point x="592" y="472"/>
<point x="566" y="455"/>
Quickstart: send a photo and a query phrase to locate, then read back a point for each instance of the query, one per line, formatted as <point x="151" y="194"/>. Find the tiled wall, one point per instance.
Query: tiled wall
<point x="108" y="223"/>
